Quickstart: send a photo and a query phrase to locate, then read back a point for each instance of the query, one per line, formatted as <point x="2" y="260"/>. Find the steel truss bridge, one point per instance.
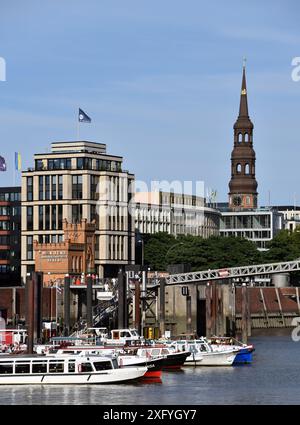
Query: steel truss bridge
<point x="231" y="273"/>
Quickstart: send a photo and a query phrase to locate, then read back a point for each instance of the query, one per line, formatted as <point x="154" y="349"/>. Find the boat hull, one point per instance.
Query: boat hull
<point x="243" y="356"/>
<point x="174" y="361"/>
<point x="154" y="366"/>
<point x="212" y="359"/>
<point x="105" y="377"/>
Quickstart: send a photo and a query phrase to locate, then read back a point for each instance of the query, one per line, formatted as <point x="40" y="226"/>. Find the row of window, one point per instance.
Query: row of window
<point x="10" y="196"/>
<point x="81" y="164"/>
<point x="5" y="225"/>
<point x="244" y="169"/>
<point x="52" y="366"/>
<point x="244" y="137"/>
<point x="6" y="268"/>
<point x="50" y="187"/>
<point x="116" y="248"/>
<point x="245" y="222"/>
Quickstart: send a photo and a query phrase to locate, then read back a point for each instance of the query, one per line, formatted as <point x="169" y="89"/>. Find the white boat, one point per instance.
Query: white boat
<point x="64" y="369"/>
<point x="202" y="354"/>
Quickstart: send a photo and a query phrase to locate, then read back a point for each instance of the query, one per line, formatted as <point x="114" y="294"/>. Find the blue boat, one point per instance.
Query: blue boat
<point x="245" y="351"/>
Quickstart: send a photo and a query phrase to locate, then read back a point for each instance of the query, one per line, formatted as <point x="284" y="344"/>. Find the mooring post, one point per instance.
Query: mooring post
<point x="162" y="307"/>
<point x="122" y="300"/>
<point x="37" y="283"/>
<point x="66" y="305"/>
<point x="89" y="301"/>
<point x="188" y="314"/>
<point x="208" y="309"/>
<point x="29" y="313"/>
<point x="137" y="306"/>
<point x="244" y="314"/>
<point x="214" y="301"/>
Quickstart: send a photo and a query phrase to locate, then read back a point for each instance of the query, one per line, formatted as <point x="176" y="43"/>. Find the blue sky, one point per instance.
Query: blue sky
<point x="161" y="82"/>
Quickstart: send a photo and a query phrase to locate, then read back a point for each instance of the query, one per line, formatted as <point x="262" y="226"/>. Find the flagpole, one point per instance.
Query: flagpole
<point x="78" y="128"/>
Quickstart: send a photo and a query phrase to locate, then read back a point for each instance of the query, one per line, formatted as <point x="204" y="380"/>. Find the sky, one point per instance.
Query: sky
<point x="161" y="81"/>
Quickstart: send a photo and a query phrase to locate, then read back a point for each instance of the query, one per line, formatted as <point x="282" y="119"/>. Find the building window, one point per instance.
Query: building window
<point x="47" y="187"/>
<point x="60" y="187"/>
<point x="29" y="188"/>
<point x="247" y="137"/>
<point x="247" y="169"/>
<point x="76" y="187"/>
<point x="93" y="188"/>
<point x="41" y="217"/>
<point x="238" y="168"/>
<point x="4" y="225"/>
<point x="47" y="217"/>
<point x="41" y="188"/>
<point x="53" y="181"/>
<point x="29" y="218"/>
<point x="84" y="163"/>
<point x="53" y="218"/>
<point x="59" y="218"/>
<point x="240" y="137"/>
<point x="76" y="213"/>
<point x="5" y="211"/>
<point x="29" y="247"/>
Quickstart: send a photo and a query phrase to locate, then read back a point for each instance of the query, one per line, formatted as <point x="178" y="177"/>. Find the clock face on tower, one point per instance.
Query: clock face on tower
<point x="237" y="201"/>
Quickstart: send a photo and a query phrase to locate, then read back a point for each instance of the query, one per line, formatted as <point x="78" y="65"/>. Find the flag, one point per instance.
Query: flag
<point x="2" y="164"/>
<point x="18" y="165"/>
<point x="83" y="117"/>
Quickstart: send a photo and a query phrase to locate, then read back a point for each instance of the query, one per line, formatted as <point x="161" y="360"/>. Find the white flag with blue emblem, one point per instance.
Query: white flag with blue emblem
<point x="83" y="117"/>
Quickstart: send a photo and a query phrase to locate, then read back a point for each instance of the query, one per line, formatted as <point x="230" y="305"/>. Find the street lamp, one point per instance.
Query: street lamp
<point x="171" y="247"/>
<point x="141" y="241"/>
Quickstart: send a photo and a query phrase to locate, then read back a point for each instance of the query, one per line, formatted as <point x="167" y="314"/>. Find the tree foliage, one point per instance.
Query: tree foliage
<point x="162" y="249"/>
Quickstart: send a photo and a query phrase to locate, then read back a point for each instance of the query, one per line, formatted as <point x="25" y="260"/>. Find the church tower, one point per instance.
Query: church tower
<point x="243" y="185"/>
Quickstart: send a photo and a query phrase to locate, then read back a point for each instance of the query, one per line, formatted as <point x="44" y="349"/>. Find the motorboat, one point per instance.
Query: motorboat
<point x="125" y="358"/>
<point x="173" y="359"/>
<point x="65" y="369"/>
<point x="245" y="351"/>
<point x="202" y="353"/>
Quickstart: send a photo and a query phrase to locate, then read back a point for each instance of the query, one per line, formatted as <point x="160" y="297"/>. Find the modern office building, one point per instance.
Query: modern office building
<point x="291" y="216"/>
<point x="10" y="236"/>
<point x="175" y="213"/>
<point x="259" y="226"/>
<point x="79" y="180"/>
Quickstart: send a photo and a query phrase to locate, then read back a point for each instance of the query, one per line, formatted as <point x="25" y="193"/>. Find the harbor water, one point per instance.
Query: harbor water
<point x="272" y="378"/>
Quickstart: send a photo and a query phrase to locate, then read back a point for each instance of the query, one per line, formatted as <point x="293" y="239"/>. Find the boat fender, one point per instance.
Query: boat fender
<point x="79" y="368"/>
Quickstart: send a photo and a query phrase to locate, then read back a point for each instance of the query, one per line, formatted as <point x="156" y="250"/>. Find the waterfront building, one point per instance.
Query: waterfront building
<point x="291" y="216"/>
<point x="258" y="225"/>
<point x="78" y="180"/>
<point x="10" y="236"/>
<point x="74" y="256"/>
<point x="174" y="213"/>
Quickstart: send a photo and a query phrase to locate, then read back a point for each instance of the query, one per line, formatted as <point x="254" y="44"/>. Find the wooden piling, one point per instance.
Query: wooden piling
<point x="137" y="306"/>
<point x="208" y="310"/>
<point x="89" y="301"/>
<point x="188" y="314"/>
<point x="244" y="314"/>
<point x="162" y="306"/>
<point x="66" y="305"/>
